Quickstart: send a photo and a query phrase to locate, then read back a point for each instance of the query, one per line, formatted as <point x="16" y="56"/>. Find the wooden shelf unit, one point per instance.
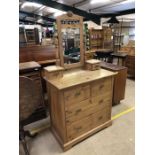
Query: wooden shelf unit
<point x="101" y="38"/>
<point x="96" y="38"/>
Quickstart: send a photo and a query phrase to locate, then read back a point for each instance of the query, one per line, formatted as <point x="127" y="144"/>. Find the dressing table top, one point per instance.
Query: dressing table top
<point x="73" y="78"/>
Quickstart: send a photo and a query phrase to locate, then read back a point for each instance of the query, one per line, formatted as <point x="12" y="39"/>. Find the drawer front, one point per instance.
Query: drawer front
<point x="101" y="117"/>
<point x="78" y="128"/>
<point x="53" y="75"/>
<point x="82" y="126"/>
<point x="76" y="94"/>
<point x="78" y="108"/>
<point x="94" y="105"/>
<point x="101" y="86"/>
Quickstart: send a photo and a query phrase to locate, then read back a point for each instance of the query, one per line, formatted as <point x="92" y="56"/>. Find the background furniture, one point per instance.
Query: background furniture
<point x="32" y="71"/>
<point x="130" y="59"/>
<point x="119" y="81"/>
<point x="103" y="54"/>
<point x="96" y="38"/>
<point x="122" y="30"/>
<point x="130" y="64"/>
<point x="119" y="55"/>
<point x="45" y="55"/>
<point x="101" y="38"/>
<point x="29" y="99"/>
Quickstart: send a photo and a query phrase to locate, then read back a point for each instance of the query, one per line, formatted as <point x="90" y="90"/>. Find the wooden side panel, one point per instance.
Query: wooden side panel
<point x="58" y="113"/>
<point x="130" y="63"/>
<point x="119" y="86"/>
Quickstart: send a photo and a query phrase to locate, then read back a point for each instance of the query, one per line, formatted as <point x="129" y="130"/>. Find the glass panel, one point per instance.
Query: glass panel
<point x="71" y="45"/>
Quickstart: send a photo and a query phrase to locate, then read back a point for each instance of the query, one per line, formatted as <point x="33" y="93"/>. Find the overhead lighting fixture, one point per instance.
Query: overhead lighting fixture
<point x="31" y="4"/>
<point x="99" y="1"/>
<point x="58" y="13"/>
<point x="127" y="1"/>
<point x="40" y="20"/>
<point x="113" y="20"/>
<point x="52" y="10"/>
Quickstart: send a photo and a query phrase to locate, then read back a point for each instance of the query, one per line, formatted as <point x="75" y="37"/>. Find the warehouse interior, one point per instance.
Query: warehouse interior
<point x="79" y="56"/>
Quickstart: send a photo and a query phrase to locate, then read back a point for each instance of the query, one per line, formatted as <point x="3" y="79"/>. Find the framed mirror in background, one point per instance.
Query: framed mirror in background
<point x="70" y="36"/>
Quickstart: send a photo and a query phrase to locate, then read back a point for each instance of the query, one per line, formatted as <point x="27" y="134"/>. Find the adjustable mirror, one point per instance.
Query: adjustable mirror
<point x="70" y="36"/>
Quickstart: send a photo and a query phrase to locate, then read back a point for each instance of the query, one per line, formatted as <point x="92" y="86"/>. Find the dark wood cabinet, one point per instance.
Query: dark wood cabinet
<point x="130" y="64"/>
<point x="119" y="81"/>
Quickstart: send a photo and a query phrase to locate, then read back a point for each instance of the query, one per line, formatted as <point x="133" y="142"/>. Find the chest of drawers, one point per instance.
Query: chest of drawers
<point x="80" y="105"/>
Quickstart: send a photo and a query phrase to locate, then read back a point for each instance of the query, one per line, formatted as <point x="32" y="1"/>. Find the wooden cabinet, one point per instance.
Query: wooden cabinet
<point x="80" y="104"/>
<point x="96" y="38"/>
<point x="119" y="81"/>
<point x="130" y="64"/>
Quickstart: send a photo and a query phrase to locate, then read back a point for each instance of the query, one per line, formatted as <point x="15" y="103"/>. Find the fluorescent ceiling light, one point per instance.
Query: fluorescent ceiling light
<point x="99" y="1"/>
<point x="31" y="4"/>
<point x="52" y="10"/>
<point x="127" y="1"/>
<point x="58" y="13"/>
<point x="40" y="20"/>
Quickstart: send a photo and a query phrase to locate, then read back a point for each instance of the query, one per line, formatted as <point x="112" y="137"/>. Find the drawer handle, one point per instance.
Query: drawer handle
<point x="78" y="128"/>
<point x="77" y="94"/>
<point x="100" y="118"/>
<point x="78" y="110"/>
<point x="101" y="101"/>
<point x="101" y="86"/>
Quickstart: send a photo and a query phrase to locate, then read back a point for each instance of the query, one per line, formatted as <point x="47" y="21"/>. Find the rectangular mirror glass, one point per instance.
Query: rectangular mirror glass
<point x="71" y="45"/>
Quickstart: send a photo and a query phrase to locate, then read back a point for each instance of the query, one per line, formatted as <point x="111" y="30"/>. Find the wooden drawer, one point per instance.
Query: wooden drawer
<point x="101" y="86"/>
<point x="101" y="117"/>
<point x="54" y="75"/>
<point x="82" y="126"/>
<point x="86" y="108"/>
<point x="76" y="94"/>
<point x="78" y="128"/>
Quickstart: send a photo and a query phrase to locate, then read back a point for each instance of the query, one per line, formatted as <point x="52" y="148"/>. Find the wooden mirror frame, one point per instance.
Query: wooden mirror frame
<point x="60" y="26"/>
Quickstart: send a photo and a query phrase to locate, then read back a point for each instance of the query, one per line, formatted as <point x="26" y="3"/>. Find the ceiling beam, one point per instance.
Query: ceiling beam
<point x="113" y="4"/>
<point x="33" y="22"/>
<point x="49" y="3"/>
<point x="120" y="13"/>
<point x="28" y="14"/>
<point x="39" y="9"/>
<point x="81" y="3"/>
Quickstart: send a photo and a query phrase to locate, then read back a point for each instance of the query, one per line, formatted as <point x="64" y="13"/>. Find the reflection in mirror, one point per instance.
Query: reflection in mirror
<point x="71" y="45"/>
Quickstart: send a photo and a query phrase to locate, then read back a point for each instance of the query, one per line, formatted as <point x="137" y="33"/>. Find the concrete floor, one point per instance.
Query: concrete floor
<point x="118" y="139"/>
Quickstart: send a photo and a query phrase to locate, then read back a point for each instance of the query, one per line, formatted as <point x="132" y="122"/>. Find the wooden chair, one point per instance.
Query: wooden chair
<point x="28" y="103"/>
